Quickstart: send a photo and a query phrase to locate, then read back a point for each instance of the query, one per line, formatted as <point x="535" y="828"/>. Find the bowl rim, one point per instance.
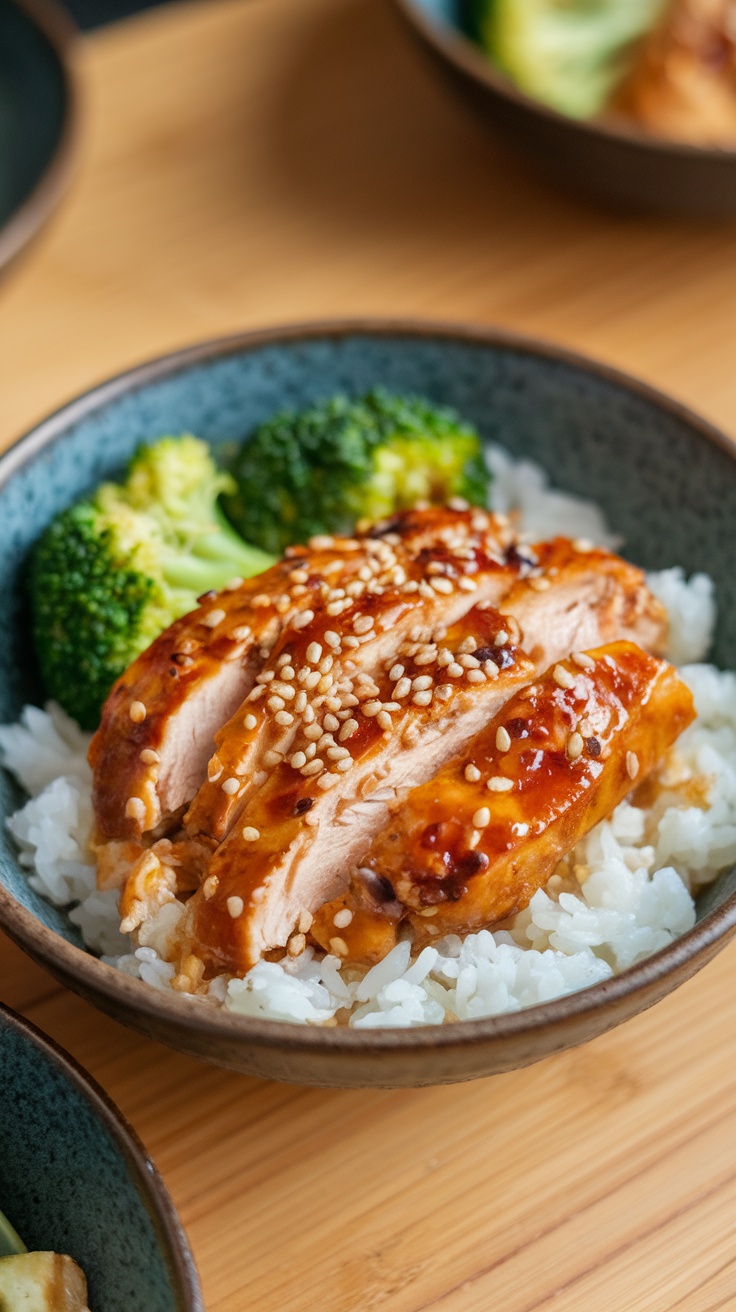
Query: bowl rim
<point x="97" y="979"/>
<point x="60" y="31"/>
<point x="458" y="49"/>
<point x="171" y="1236"/>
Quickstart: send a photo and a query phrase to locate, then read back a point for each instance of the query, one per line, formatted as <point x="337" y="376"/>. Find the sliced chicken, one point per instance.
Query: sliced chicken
<point x="472" y="846"/>
<point x="150" y="753"/>
<point x="586" y="594"/>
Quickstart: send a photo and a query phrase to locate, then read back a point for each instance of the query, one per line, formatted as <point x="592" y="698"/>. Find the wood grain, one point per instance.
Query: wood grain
<point x="259" y="161"/>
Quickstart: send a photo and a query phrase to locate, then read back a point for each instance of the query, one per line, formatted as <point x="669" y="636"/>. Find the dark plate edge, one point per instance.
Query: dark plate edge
<point x="148" y="1181"/>
<point x="686" y="954"/>
<point x="60" y="30"/>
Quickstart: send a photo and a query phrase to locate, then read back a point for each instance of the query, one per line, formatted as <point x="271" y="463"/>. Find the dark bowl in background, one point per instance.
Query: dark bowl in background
<point x="75" y="1179"/>
<point x="37" y="117"/>
<point x="611" y="161"/>
<point x="665" y="479"/>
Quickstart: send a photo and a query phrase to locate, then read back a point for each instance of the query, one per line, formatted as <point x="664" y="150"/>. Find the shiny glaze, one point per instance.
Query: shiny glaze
<point x="451" y="874"/>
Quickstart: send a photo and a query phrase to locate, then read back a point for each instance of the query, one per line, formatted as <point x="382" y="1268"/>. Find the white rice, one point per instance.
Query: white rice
<point x="625" y="892"/>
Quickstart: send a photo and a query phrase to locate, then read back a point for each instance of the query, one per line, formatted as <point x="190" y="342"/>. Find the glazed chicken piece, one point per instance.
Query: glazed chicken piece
<point x="683" y="85"/>
<point x="472" y="846"/>
<point x="433" y="569"/>
<point x="315" y="813"/>
<point x="556" y="596"/>
<point x="150" y="753"/>
<point x="288" y="870"/>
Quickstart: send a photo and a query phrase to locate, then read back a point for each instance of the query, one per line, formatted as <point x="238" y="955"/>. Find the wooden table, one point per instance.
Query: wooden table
<point x="248" y="162"/>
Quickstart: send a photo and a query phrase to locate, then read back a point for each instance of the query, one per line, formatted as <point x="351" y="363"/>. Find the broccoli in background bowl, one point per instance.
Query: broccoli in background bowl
<point x="322" y="469"/>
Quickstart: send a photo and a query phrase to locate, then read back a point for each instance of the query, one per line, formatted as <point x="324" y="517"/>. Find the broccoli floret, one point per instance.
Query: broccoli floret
<point x="570" y="54"/>
<point x="109" y="574"/>
<point x="321" y="469"/>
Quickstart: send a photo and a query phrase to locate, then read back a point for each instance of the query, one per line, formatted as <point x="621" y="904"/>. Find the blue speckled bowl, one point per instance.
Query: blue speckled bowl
<point x="37" y="117"/>
<point x="75" y="1179"/>
<point x="667" y="482"/>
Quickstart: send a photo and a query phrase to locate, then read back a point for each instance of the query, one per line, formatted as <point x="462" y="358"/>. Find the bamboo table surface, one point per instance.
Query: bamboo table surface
<point x="248" y="162"/>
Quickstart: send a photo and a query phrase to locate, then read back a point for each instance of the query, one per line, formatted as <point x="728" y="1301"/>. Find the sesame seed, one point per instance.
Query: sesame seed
<point x="296" y="945"/>
<point x="402" y="689"/>
<point x="501" y="638"/>
<point x="331" y="723"/>
<point x="313" y="653"/>
<point x="298" y="760"/>
<point x="301" y="621"/>
<point x="468" y="662"/>
<point x="209" y="887"/>
<point x="383" y="719"/>
<point x="422" y="698"/>
<point x="445" y="658"/>
<point x="562" y="677"/>
<point x="149" y="757"/>
<point x="499" y="784"/>
<point x="300" y="702"/>
<point x="503" y="739"/>
<point x="481" y="817"/>
<point x="326" y="682"/>
<point x="472" y="774"/>
<point x="250" y="722"/>
<point x="337" y="753"/>
<point x="583" y="544"/>
<point x="350" y="641"/>
<point x="422" y="682"/>
<point x="326" y="740"/>
<point x="632" y="765"/>
<point x="321" y="542"/>
<point x="230" y="786"/>
<point x="466" y="584"/>
<point x="539" y="584"/>
<point x="250" y="834"/>
<point x="234" y="584"/>
<point x="345" y="764"/>
<point x="310" y="751"/>
<point x="467" y="645"/>
<point x="574" y="746"/>
<point x="284" y="718"/>
<point x="426" y="657"/>
<point x="333" y="704"/>
<point x="214" y="769"/>
<point x="242" y="632"/>
<point x="476" y="676"/>
<point x="285" y="690"/>
<point x="454" y="671"/>
<point x="137" y="712"/>
<point x="338" y="946"/>
<point x="342" y="918"/>
<point x="275" y="703"/>
<point x="348" y="729"/>
<point x="371" y="708"/>
<point x="287" y="672"/>
<point x="363" y="624"/>
<point x="214" y="618"/>
<point x="490" y="668"/>
<point x="134" y="808"/>
<point x="444" y="692"/>
<point x="260" y="777"/>
<point x="313" y="732"/>
<point x="272" y="758"/>
<point x="326" y="664"/>
<point x="235" y="907"/>
<point x="584" y="661"/>
<point x="267" y="676"/>
<point x="313" y="767"/>
<point x="395" y="673"/>
<point x="442" y="585"/>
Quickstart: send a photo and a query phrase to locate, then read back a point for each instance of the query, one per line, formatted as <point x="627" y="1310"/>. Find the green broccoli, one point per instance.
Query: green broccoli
<point x="570" y="54"/>
<point x="321" y="469"/>
<point x="109" y="574"/>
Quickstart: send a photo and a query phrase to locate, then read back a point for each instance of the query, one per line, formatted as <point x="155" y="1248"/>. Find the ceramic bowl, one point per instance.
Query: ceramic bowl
<point x="667" y="482"/>
<point x="75" y="1179"/>
<point x="37" y="117"/>
<point x="615" y="162"/>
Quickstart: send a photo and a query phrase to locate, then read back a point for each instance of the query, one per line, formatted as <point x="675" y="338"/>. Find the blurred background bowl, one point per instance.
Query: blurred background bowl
<point x="613" y="162"/>
<point x="37" y="117"/>
<point x="666" y="481"/>
<point x="75" y="1179"/>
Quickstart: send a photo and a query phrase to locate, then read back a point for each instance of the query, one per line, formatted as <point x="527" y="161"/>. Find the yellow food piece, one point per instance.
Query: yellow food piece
<point x="41" y="1282"/>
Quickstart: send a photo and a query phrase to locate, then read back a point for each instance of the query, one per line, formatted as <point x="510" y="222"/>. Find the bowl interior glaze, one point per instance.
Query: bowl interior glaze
<point x="74" y="1179"/>
<point x="666" y="481"/>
